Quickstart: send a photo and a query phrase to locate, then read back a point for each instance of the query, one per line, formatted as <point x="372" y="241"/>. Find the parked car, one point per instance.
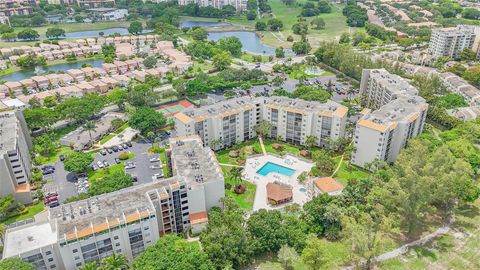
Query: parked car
<point x="94" y="167"/>
<point x="48" y="171"/>
<point x="155" y="159"/>
<point x="120" y="147"/>
<point x="100" y="164"/>
<point x="103" y="152"/>
<point x="115" y="148"/>
<point x="156" y="167"/>
<point x="109" y="150"/>
<point x="129" y="144"/>
<point x="124" y="145"/>
<point x="117" y="160"/>
<point x="62" y="157"/>
<point x="134" y="178"/>
<point x="106" y="163"/>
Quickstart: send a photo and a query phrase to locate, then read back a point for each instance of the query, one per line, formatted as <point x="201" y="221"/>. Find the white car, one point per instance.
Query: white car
<point x="100" y="164"/>
<point x="156" y="167"/>
<point x="154" y="159"/>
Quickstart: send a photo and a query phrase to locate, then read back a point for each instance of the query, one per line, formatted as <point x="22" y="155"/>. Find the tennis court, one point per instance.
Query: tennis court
<point x="171" y="109"/>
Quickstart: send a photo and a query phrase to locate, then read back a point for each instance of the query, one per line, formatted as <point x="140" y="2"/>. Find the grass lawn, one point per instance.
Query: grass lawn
<point x="249" y="58"/>
<point x="122" y="128"/>
<point x="245" y="200"/>
<point x="54" y="157"/>
<point x="32" y="210"/>
<point x="98" y="174"/>
<point x="345" y="173"/>
<point x="107" y="138"/>
<point x="287" y="148"/>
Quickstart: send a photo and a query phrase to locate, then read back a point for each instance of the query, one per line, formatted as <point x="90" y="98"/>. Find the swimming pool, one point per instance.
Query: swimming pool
<point x="273" y="167"/>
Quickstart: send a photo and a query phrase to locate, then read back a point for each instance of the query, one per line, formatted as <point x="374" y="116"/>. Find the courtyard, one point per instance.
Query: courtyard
<point x="269" y="168"/>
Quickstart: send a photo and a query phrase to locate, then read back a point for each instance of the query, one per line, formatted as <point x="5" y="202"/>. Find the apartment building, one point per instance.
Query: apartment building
<point x="381" y="134"/>
<point x="451" y="42"/>
<point x="15" y="164"/>
<point x="238" y="4"/>
<point x="379" y="87"/>
<point x="125" y="221"/>
<point x="232" y="121"/>
<point x="84" y="3"/>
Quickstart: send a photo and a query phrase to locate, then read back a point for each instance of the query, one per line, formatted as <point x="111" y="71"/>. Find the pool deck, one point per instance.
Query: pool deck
<point x="250" y="174"/>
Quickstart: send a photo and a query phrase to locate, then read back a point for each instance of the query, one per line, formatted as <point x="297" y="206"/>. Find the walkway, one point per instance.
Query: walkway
<point x="230" y="165"/>
<point x="261" y="145"/>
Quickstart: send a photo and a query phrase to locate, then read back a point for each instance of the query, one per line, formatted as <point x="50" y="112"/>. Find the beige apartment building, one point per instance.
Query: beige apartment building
<point x="397" y="114"/>
<point x="232" y="121"/>
<point x="15" y="164"/>
<point x="379" y="87"/>
<point x="238" y="4"/>
<point x="126" y="221"/>
<point x="450" y="42"/>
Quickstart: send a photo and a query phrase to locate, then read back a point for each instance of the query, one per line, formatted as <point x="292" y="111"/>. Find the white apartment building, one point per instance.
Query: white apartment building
<point x="238" y="4"/>
<point x="232" y="121"/>
<point x="379" y="87"/>
<point x="15" y="164"/>
<point x="125" y="221"/>
<point x="451" y="42"/>
<point x="398" y="115"/>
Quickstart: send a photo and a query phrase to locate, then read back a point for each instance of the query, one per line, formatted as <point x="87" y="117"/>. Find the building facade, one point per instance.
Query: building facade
<point x="126" y="221"/>
<point x="15" y="163"/>
<point x="379" y="87"/>
<point x="232" y="121"/>
<point x="395" y="114"/>
<point x="450" y="42"/>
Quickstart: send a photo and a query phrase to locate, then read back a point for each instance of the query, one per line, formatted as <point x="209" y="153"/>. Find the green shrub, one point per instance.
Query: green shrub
<point x="123" y="156"/>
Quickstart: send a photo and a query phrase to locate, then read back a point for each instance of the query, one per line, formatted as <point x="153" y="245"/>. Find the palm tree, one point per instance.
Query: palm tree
<point x="151" y="136"/>
<point x="58" y="97"/>
<point x="263" y="128"/>
<point x="90" y="126"/>
<point x="91" y="266"/>
<point x="311" y="141"/>
<point x="235" y="172"/>
<point x="215" y="144"/>
<point x="115" y="262"/>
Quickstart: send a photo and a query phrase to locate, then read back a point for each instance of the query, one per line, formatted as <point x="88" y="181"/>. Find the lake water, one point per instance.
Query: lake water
<point x="201" y="24"/>
<point x="25" y="74"/>
<point x="95" y="33"/>
<point x="251" y="42"/>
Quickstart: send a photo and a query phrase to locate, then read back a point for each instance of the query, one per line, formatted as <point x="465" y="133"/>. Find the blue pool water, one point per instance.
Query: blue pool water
<point x="273" y="167"/>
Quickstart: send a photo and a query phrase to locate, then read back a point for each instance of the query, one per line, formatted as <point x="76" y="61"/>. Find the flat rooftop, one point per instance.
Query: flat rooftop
<point x="192" y="162"/>
<point x="233" y="106"/>
<point x="393" y="82"/>
<point x="85" y="217"/>
<point x="401" y="109"/>
<point x="23" y="239"/>
<point x="8" y="132"/>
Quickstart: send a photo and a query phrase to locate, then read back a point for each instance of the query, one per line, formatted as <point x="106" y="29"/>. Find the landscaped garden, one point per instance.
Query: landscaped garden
<point x="25" y="213"/>
<point x="326" y="163"/>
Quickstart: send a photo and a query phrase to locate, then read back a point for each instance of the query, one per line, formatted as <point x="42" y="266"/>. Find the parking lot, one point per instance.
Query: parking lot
<point x="144" y="166"/>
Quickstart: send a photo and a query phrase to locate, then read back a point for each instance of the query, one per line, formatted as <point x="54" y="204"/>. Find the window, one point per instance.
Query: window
<point x="75" y="250"/>
<point x="146" y="228"/>
<point x="117" y="244"/>
<point x="48" y="253"/>
<point x="78" y="264"/>
<point x="50" y="259"/>
<point x="115" y="238"/>
<point x="52" y="266"/>
<point x="77" y="258"/>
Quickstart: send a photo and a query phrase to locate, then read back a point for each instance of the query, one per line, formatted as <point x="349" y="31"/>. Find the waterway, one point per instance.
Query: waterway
<point x="25" y="74"/>
<point x="96" y="33"/>
<point x="251" y="42"/>
<point x="202" y="24"/>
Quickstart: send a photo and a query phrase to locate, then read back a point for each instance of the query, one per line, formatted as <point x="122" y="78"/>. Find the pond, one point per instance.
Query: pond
<point x="201" y="24"/>
<point x="25" y="74"/>
<point x="95" y="33"/>
<point x="250" y="40"/>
